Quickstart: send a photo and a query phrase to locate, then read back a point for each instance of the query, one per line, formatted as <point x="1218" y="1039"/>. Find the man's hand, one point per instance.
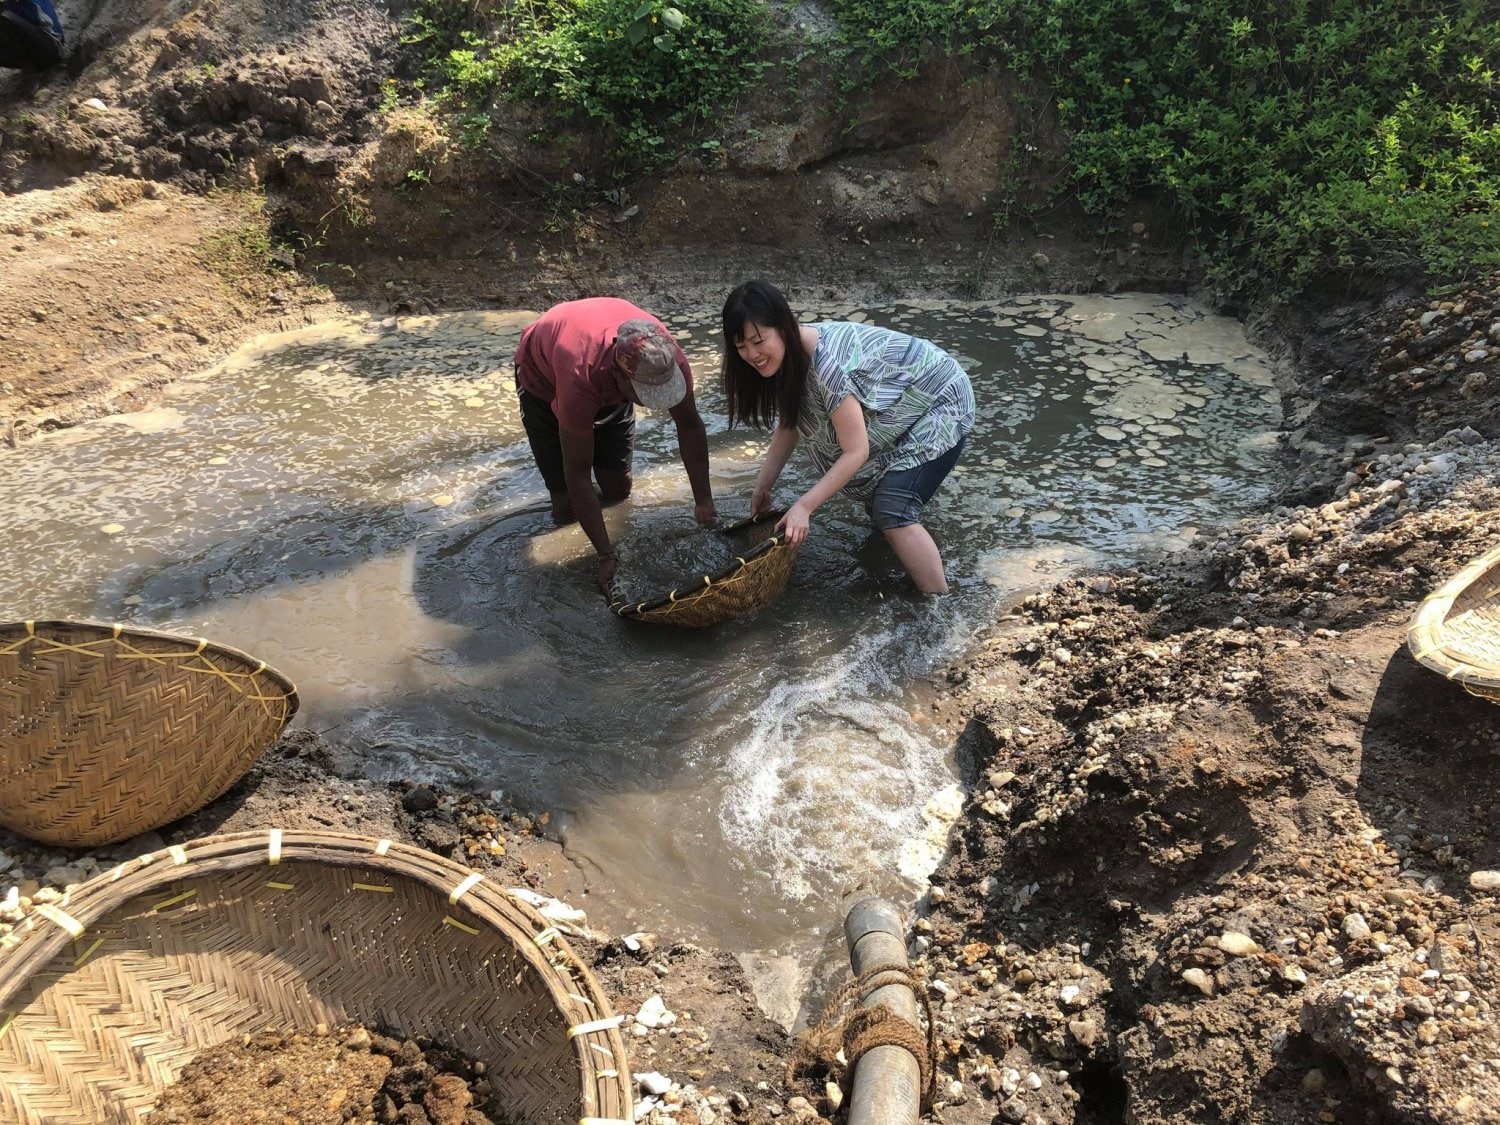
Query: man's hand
<point x="795" y="523"/>
<point x="705" y="514"/>
<point x="609" y="564"/>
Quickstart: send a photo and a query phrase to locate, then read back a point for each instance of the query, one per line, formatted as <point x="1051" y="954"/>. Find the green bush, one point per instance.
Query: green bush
<point x="654" y="75"/>
<point x="1296" y="136"/>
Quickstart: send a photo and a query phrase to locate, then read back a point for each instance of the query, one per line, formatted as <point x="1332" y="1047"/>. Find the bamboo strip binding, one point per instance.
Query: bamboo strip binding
<point x="107" y="732"/>
<point x="103" y="1002"/>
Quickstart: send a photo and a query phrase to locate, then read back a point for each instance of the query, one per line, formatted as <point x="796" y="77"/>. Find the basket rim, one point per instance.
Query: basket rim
<point x="55" y="927"/>
<point x="1425" y="637"/>
<point x="116" y="631"/>
<point x="629" y="609"/>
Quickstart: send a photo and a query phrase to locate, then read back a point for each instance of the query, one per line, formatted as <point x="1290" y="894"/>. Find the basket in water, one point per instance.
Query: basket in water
<point x="108" y="996"/>
<point x="1456" y="632"/>
<point x="748" y="584"/>
<point x="108" y="732"/>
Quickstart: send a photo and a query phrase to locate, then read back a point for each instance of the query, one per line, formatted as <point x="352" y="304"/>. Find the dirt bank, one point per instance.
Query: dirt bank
<point x="1214" y="864"/>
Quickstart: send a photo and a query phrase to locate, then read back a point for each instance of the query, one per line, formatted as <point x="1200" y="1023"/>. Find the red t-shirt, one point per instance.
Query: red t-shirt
<point x="566" y="358"/>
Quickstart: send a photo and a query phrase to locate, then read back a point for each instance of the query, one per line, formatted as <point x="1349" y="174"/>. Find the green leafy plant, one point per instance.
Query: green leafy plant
<point x="650" y="74"/>
<point x="1295" y="136"/>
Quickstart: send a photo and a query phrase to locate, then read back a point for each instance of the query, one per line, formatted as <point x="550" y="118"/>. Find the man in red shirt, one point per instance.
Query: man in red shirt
<point x="581" y="370"/>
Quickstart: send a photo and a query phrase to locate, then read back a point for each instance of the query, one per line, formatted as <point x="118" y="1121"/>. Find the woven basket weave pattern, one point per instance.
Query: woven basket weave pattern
<point x="753" y="581"/>
<point x="1456" y="632"/>
<point x="108" y="732"/>
<point x="175" y="957"/>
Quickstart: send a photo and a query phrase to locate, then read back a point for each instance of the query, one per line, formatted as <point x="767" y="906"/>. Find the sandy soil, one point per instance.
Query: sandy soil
<point x="1215" y="861"/>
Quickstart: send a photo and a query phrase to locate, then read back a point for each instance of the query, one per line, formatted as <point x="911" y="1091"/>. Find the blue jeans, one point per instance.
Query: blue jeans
<point x="899" y="496"/>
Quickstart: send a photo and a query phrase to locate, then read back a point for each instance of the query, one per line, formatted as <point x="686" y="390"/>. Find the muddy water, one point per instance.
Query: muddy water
<point x="357" y="506"/>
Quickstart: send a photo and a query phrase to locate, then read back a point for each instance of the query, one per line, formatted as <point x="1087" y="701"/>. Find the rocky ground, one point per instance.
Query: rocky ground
<point x="1226" y="850"/>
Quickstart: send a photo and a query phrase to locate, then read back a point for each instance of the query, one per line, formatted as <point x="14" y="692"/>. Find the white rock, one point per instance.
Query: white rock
<point x="654" y="1013"/>
<point x="1199" y="980"/>
<point x="1478" y="880"/>
<point x="551" y="909"/>
<point x="653" y="1082"/>
<point x="1238" y="945"/>
<point x="1355" y="927"/>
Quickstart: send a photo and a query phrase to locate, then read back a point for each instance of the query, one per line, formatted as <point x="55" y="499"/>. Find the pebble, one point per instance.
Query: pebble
<point x="1355" y="927"/>
<point x="1199" y="980"/>
<point x="1237" y="945"/>
<point x="654" y="1014"/>
<point x="1478" y="880"/>
<point x="654" y="1083"/>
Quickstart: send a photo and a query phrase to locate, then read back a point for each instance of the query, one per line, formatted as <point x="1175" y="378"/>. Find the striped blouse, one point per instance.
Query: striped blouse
<point x="916" y="399"/>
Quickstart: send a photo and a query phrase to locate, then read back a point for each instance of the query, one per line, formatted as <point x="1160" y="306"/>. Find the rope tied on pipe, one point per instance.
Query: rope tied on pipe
<point x="860" y="1029"/>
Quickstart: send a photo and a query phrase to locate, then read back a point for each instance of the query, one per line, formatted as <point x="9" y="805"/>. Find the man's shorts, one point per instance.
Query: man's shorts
<point x="614" y="439"/>
<point x="899" y="496"/>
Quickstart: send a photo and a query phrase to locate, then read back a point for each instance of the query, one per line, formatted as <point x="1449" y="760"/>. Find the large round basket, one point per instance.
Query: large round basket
<point x="1456" y="632"/>
<point x="108" y="732"/>
<point x="750" y="583"/>
<point x="108" y="996"/>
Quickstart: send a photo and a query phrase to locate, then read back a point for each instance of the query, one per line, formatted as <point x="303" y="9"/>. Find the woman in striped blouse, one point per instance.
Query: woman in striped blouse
<point x="884" y="416"/>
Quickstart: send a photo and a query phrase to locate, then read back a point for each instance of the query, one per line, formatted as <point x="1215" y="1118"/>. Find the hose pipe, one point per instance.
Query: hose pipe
<point x="887" y="1083"/>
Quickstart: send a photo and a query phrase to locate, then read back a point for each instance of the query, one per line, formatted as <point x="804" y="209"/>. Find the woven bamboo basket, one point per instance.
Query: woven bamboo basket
<point x="1456" y="632"/>
<point x="108" y="996"/>
<point x="108" y="732"/>
<point x="750" y="583"/>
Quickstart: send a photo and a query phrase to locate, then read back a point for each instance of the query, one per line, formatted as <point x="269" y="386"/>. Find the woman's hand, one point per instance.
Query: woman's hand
<point x="795" y="523"/>
<point x="760" y="500"/>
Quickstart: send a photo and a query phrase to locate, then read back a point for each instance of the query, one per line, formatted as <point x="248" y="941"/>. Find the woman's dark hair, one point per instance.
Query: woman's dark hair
<point x="752" y="398"/>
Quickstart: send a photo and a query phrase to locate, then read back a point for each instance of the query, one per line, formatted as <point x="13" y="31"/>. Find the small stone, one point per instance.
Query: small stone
<point x="654" y="1013"/>
<point x="1199" y="980"/>
<point x="1478" y="880"/>
<point x="1355" y="927"/>
<point x="653" y="1082"/>
<point x="1314" y="1081"/>
<point x="358" y="1039"/>
<point x="835" y="1095"/>
<point x="1086" y="1032"/>
<point x="419" y="799"/>
<point x="1237" y="945"/>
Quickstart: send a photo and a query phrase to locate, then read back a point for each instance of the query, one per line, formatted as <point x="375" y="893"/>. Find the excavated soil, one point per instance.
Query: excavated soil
<point x="1215" y="863"/>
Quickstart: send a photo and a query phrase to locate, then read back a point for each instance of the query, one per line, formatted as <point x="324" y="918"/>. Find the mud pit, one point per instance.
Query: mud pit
<point x="1213" y="862"/>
